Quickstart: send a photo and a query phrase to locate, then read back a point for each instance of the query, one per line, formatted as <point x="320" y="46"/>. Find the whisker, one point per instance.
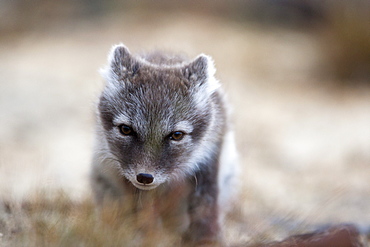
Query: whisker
<point x="196" y="181"/>
<point x="139" y="199"/>
<point x="112" y="159"/>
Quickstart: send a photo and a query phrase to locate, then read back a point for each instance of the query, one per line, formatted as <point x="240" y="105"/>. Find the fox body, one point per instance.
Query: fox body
<point x="163" y="133"/>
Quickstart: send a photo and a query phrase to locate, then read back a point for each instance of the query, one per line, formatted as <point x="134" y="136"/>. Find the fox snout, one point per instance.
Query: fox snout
<point x="145" y="178"/>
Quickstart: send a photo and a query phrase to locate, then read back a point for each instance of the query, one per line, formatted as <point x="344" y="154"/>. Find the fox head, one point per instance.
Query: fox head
<point x="159" y="121"/>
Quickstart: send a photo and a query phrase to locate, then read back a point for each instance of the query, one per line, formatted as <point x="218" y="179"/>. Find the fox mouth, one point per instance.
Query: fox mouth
<point x="144" y="186"/>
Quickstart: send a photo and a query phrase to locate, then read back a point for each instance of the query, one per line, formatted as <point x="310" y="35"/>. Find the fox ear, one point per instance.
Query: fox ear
<point x="121" y="64"/>
<point x="200" y="72"/>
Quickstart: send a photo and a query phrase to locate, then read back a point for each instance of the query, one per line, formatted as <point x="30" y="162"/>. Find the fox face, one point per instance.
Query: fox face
<point x="159" y="120"/>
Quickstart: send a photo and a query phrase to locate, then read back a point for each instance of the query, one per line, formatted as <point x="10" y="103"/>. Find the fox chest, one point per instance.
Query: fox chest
<point x="167" y="207"/>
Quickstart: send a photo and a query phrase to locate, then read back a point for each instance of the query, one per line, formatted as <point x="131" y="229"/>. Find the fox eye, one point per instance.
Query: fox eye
<point x="125" y="130"/>
<point x="177" y="135"/>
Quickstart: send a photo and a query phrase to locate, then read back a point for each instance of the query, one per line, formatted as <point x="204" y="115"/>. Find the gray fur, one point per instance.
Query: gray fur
<point x="157" y="95"/>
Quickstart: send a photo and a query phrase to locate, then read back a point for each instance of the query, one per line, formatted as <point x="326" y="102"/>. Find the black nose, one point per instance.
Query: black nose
<point x="144" y="178"/>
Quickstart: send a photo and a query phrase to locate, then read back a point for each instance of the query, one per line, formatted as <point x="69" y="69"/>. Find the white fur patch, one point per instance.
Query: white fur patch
<point x="106" y="72"/>
<point x="228" y="176"/>
<point x="206" y="147"/>
<point x="121" y="119"/>
<point x="228" y="169"/>
<point x="211" y="84"/>
<point x="185" y="126"/>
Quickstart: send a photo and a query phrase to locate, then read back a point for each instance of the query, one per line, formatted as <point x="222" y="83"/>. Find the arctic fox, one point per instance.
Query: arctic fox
<point x="163" y="131"/>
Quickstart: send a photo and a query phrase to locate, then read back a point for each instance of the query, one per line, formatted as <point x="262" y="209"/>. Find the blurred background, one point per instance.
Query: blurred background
<point x="297" y="74"/>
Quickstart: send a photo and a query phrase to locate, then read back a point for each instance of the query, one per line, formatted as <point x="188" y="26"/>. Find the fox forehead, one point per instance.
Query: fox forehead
<point x="152" y="96"/>
<point x="155" y="74"/>
<point x="149" y="103"/>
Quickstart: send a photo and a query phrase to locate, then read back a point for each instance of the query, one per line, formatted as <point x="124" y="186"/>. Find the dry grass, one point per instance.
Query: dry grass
<point x="58" y="221"/>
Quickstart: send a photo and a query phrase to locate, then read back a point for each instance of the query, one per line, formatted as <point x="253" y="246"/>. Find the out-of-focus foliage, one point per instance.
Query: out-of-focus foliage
<point x="346" y="40"/>
<point x="343" y="26"/>
<point x="16" y="15"/>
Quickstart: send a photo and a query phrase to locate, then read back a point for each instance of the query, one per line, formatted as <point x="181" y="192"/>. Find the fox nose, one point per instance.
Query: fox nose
<point x="144" y="178"/>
